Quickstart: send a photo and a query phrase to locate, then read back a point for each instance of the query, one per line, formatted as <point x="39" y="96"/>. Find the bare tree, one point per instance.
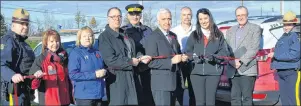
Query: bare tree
<point x="31" y="30"/>
<point x="80" y="18"/>
<point x="77" y="18"/>
<point x="39" y="25"/>
<point x="49" y="20"/>
<point x="148" y="19"/>
<point x="83" y="20"/>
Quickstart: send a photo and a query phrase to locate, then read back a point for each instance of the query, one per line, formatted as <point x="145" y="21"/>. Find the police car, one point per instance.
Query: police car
<point x="266" y="86"/>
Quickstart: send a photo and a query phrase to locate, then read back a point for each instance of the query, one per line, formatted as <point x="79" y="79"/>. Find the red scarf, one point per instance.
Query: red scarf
<point x="56" y="79"/>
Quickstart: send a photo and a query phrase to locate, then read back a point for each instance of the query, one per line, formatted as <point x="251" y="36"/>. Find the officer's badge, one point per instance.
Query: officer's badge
<point x="2" y="46"/>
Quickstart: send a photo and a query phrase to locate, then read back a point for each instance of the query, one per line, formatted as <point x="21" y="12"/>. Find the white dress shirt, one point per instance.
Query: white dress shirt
<point x="182" y="35"/>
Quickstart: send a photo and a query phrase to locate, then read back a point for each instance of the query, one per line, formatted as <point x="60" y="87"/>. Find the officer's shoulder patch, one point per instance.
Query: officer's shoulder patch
<point x="2" y="46"/>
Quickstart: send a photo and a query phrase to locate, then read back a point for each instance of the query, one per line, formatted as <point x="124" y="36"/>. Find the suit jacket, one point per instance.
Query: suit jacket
<point x="114" y="50"/>
<point x="250" y="39"/>
<point x="163" y="72"/>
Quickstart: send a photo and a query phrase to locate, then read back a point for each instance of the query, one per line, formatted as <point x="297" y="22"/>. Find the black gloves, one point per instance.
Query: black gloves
<point x="209" y="58"/>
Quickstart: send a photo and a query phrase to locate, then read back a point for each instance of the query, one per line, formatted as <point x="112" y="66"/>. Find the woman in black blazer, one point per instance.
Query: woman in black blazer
<point x="206" y="44"/>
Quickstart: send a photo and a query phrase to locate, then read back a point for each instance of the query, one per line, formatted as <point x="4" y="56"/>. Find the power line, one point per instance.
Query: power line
<point x="52" y="12"/>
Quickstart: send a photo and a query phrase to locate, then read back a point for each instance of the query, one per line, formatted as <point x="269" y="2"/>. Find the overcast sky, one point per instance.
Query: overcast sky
<point x="221" y="10"/>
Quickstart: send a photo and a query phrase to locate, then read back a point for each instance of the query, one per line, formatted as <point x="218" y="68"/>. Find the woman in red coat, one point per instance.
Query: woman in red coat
<point x="50" y="69"/>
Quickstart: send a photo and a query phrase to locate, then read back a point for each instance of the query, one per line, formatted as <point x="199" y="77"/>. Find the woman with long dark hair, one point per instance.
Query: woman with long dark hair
<point x="206" y="44"/>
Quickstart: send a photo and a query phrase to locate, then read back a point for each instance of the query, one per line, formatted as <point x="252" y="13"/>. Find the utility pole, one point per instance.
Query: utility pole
<point x="175" y="15"/>
<point x="281" y="7"/>
<point x="273" y="11"/>
<point x="242" y="2"/>
<point x="261" y="11"/>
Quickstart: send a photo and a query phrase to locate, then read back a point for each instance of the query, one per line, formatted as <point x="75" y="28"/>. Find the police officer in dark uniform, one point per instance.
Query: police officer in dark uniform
<point x="136" y="30"/>
<point x="286" y="60"/>
<point x="16" y="60"/>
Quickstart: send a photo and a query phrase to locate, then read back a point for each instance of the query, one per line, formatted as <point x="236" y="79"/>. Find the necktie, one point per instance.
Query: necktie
<point x="169" y="37"/>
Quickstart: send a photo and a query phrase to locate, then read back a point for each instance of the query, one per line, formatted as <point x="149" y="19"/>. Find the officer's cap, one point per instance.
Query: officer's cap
<point x="134" y="8"/>
<point x="289" y="18"/>
<point x="20" y="15"/>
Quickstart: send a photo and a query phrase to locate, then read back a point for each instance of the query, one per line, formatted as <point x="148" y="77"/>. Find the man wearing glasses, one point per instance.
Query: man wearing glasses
<point x="119" y="53"/>
<point x="136" y="30"/>
<point x="16" y="60"/>
<point x="243" y="70"/>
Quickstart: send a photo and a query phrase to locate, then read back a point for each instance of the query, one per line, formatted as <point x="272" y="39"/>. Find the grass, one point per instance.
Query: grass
<point x="32" y="43"/>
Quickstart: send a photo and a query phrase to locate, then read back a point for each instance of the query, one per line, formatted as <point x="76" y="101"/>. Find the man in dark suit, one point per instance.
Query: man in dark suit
<point x="118" y="52"/>
<point x="164" y="71"/>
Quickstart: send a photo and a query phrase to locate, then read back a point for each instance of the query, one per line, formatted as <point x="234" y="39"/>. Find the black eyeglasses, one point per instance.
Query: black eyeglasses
<point x="22" y="23"/>
<point x="115" y="16"/>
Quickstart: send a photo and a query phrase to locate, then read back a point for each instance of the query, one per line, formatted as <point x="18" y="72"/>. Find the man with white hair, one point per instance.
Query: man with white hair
<point x="163" y="44"/>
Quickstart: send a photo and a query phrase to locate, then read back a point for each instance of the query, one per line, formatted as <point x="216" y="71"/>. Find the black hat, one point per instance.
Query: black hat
<point x="134" y="8"/>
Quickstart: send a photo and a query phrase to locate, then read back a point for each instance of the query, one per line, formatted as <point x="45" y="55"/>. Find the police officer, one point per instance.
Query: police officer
<point x="16" y="60"/>
<point x="136" y="30"/>
<point x="286" y="60"/>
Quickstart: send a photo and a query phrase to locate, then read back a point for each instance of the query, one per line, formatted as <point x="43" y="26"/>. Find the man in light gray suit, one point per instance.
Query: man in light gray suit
<point x="243" y="40"/>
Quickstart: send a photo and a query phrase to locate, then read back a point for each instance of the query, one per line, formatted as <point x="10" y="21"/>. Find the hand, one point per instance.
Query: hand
<point x="209" y="58"/>
<point x="176" y="59"/>
<point x="235" y="63"/>
<point x="271" y="54"/>
<point x="38" y="74"/>
<point x="196" y="58"/>
<point x="145" y="59"/>
<point x="184" y="57"/>
<point x="17" y="78"/>
<point x="135" y="61"/>
<point x="100" y="73"/>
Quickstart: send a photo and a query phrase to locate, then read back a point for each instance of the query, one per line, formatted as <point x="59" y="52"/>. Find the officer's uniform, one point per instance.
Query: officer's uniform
<point x="16" y="57"/>
<point x="286" y="61"/>
<point x="138" y="33"/>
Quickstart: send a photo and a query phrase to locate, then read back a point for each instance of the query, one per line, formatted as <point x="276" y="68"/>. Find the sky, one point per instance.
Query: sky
<point x="63" y="12"/>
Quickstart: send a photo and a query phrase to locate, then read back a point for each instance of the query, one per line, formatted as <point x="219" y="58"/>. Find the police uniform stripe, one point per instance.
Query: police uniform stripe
<point x="11" y="100"/>
<point x="297" y="88"/>
<point x="134" y="9"/>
